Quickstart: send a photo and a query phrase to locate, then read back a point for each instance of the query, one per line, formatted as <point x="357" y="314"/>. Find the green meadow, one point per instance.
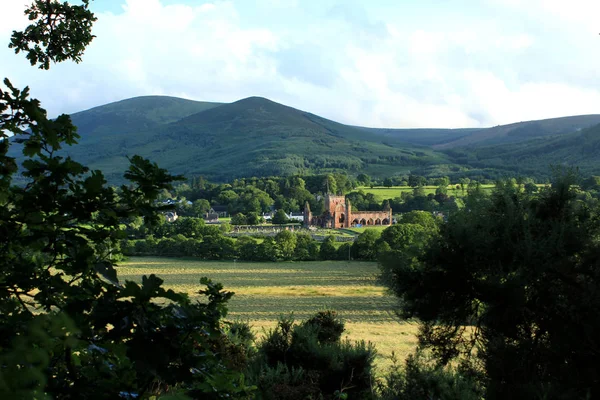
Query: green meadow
<point x="265" y="291"/>
<point x="382" y="193"/>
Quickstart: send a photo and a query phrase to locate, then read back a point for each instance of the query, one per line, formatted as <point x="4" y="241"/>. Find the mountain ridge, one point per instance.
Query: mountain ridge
<point x="255" y="136"/>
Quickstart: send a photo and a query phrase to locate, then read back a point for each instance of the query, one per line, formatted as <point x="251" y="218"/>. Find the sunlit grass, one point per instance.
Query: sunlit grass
<point x="266" y="291"/>
<point x="383" y="193"/>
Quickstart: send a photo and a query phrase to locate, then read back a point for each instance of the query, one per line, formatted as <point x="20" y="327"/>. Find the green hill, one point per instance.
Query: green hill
<point x="251" y="137"/>
<point x="425" y="137"/>
<point x="521" y="131"/>
<point x="133" y="115"/>
<point x="534" y="157"/>
<point x="258" y="137"/>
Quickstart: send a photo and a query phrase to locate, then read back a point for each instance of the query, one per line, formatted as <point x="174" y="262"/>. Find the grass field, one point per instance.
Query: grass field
<point x="382" y="193"/>
<point x="378" y="228"/>
<point x="264" y="291"/>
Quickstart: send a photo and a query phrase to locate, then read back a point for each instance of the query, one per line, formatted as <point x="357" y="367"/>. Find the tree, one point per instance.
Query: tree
<point x="344" y="252"/>
<point x="464" y="182"/>
<point x="69" y="328"/>
<point x="416" y="180"/>
<point x="286" y="241"/>
<point x="189" y="227"/>
<point x="200" y="207"/>
<point x="239" y="219"/>
<point x="247" y="248"/>
<point x="530" y="188"/>
<point x="227" y="197"/>
<point x="268" y="250"/>
<point x="591" y="183"/>
<point x="388" y="182"/>
<point x="327" y="250"/>
<point x="422" y="218"/>
<point x="443" y="181"/>
<point x="280" y="218"/>
<point x="364" y="247"/>
<point x="517" y="279"/>
<point x="364" y="179"/>
<point x="307" y="249"/>
<point x="254" y="218"/>
<point x="329" y="184"/>
<point x="419" y="191"/>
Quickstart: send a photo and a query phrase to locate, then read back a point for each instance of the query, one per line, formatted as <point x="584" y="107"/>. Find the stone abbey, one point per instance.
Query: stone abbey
<point x="339" y="214"/>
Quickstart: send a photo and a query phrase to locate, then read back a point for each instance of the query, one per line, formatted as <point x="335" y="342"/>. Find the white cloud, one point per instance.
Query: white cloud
<point x="401" y="69"/>
<point x="12" y="17"/>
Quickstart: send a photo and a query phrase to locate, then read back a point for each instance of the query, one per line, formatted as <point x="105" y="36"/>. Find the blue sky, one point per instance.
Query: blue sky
<point x="379" y="63"/>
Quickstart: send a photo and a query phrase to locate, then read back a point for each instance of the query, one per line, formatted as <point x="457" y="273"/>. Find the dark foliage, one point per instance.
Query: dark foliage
<point x="515" y="277"/>
<point x="69" y="329"/>
<point x="295" y="362"/>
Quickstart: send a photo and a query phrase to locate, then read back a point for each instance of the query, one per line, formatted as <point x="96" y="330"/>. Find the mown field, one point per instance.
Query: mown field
<point x="377" y="228"/>
<point x="264" y="291"/>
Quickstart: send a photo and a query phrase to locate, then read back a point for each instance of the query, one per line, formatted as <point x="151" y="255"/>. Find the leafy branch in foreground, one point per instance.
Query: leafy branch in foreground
<point x="68" y="327"/>
<point x="59" y="32"/>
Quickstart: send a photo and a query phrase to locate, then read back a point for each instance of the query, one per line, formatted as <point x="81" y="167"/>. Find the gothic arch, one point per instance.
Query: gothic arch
<point x="385" y="221"/>
<point x="378" y="221"/>
<point x="370" y="221"/>
<point x="363" y="221"/>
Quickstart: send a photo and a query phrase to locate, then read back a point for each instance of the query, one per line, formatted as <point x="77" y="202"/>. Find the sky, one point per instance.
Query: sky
<point x="378" y="63"/>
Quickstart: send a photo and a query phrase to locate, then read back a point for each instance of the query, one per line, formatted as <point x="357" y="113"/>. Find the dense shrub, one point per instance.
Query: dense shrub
<point x="328" y="326"/>
<point x="422" y="379"/>
<point x="310" y="359"/>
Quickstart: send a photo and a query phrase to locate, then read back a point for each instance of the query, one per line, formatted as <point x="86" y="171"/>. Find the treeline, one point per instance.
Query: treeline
<point x="258" y="195"/>
<point x="191" y="237"/>
<point x="520" y="270"/>
<point x="252" y="197"/>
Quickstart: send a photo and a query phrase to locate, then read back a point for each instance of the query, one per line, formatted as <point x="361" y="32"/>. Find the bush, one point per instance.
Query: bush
<point x="328" y="326"/>
<point x="327" y="250"/>
<point x="421" y="379"/>
<point x="309" y="359"/>
<point x="239" y="219"/>
<point x="280" y="218"/>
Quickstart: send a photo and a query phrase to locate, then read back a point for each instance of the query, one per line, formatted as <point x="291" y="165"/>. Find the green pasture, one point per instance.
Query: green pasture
<point x="264" y="291"/>
<point x="377" y="228"/>
<point x="382" y="193"/>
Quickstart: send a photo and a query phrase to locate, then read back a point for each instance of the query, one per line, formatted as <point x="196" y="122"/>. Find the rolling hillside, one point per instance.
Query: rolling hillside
<point x="521" y="131"/>
<point x="424" y="137"/>
<point x="578" y="149"/>
<point x="258" y="137"/>
<point x="250" y="137"/>
<point x="133" y="115"/>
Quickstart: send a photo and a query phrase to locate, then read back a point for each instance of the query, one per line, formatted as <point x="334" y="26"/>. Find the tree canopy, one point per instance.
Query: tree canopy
<point x="516" y="279"/>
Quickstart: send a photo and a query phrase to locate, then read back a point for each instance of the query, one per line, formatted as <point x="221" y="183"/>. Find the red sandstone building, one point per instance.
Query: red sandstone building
<point x="339" y="214"/>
